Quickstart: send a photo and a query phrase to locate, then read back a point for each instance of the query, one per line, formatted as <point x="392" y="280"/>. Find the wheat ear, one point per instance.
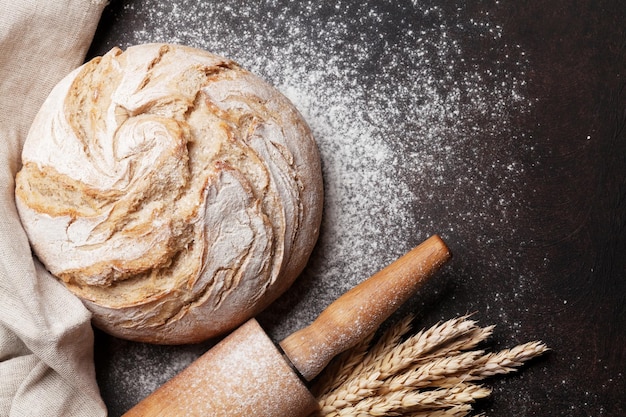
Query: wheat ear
<point x="428" y="374"/>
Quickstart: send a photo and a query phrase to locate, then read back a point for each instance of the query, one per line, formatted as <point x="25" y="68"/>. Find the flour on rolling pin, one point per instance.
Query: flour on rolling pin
<point x="212" y="386"/>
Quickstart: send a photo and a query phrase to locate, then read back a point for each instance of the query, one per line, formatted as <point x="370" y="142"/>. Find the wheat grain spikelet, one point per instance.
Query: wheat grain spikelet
<point x="428" y="374"/>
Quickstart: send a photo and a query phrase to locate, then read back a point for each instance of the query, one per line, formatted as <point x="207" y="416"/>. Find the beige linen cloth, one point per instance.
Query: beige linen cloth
<point x="46" y="341"/>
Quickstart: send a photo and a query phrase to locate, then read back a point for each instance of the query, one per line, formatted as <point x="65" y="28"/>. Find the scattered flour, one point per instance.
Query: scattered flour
<point x="396" y="108"/>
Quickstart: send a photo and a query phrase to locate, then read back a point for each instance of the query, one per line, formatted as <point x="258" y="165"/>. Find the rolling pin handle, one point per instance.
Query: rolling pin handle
<point x="363" y="309"/>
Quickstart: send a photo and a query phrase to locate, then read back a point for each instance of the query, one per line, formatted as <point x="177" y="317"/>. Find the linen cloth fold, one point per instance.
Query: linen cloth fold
<point x="46" y="339"/>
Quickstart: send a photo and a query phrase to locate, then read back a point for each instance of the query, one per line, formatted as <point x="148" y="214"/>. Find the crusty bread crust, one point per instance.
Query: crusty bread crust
<point x="174" y="192"/>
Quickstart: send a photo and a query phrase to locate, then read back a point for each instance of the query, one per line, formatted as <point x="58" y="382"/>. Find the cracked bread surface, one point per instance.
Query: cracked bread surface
<point x="174" y="192"/>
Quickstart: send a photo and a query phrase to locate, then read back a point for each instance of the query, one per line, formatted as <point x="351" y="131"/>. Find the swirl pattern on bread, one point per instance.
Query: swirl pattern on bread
<point x="174" y="192"/>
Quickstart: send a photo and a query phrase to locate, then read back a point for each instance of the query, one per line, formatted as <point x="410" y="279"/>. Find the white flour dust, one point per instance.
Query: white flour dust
<point x="395" y="107"/>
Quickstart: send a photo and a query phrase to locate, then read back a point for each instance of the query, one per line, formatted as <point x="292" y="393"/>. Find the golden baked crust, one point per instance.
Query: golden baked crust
<point x="174" y="192"/>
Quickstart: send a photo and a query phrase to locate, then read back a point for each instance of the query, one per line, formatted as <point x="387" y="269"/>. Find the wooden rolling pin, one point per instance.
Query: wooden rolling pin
<point x="246" y="374"/>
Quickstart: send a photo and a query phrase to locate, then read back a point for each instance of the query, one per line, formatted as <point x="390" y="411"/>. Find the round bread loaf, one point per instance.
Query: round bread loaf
<point x="174" y="192"/>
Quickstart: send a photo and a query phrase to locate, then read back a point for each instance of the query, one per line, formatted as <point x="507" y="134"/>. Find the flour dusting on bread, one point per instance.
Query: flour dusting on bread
<point x="176" y="193"/>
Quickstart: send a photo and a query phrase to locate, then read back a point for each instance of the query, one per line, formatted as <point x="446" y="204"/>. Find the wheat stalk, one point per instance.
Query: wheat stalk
<point x="385" y="346"/>
<point x="456" y="411"/>
<point x="507" y="360"/>
<point x="406" y="401"/>
<point x="340" y="369"/>
<point x="407" y="353"/>
<point x="427" y="374"/>
<point x="434" y="372"/>
<point x="351" y="364"/>
<point x="464" y="342"/>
